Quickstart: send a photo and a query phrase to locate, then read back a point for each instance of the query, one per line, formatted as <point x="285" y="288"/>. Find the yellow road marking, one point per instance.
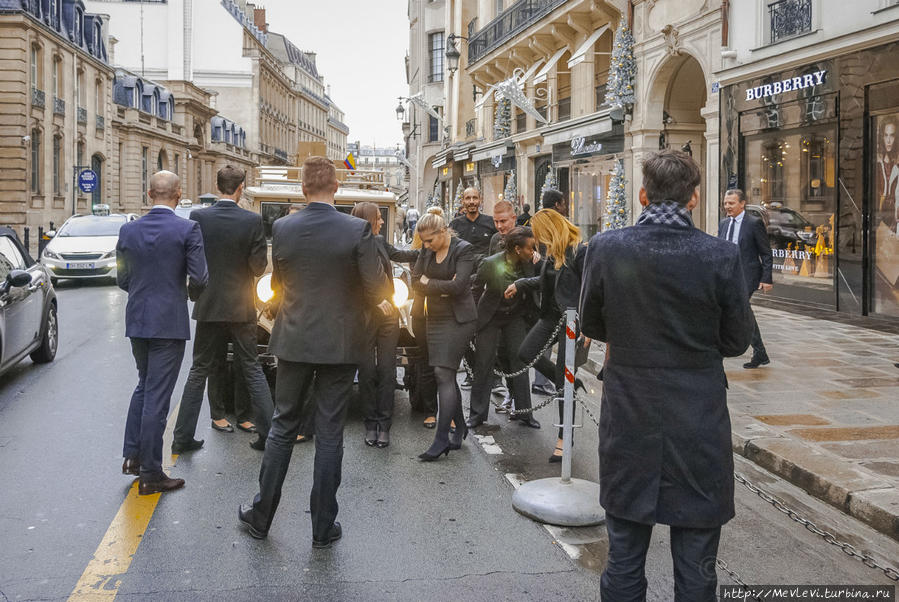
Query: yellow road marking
<point x="102" y="577"/>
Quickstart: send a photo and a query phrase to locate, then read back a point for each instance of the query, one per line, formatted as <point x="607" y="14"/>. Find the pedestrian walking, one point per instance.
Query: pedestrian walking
<point x="160" y="263"/>
<point x="669" y="301"/>
<point x="525" y="218"/>
<point x="325" y="275"/>
<point x="748" y="232"/>
<point x="236" y="253"/>
<point x="399" y="224"/>
<point x="377" y="371"/>
<point x="502" y="326"/>
<point x="411" y="221"/>
<point x="559" y="285"/>
<point x="442" y="276"/>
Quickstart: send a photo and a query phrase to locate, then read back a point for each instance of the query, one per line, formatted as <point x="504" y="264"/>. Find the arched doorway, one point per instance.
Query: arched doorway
<point x="97" y="167"/>
<point x="162" y="160"/>
<point x="677" y="106"/>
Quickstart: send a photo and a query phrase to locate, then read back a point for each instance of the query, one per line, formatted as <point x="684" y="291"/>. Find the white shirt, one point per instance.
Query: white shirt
<point x="735" y="236"/>
<point x="162" y="207"/>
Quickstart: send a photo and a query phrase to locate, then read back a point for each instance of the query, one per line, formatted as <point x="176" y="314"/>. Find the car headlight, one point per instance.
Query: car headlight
<point x="50" y="254"/>
<point x="264" y="290"/>
<point x="400" y="292"/>
<point x="109" y="255"/>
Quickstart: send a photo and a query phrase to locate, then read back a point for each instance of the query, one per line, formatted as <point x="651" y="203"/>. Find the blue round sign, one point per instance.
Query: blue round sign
<point x="87" y="180"/>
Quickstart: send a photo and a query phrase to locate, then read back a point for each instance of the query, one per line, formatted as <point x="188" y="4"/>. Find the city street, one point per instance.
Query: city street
<point x="73" y="527"/>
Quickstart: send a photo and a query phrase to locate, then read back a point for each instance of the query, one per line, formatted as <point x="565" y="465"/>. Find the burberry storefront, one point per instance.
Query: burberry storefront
<point x="815" y="150"/>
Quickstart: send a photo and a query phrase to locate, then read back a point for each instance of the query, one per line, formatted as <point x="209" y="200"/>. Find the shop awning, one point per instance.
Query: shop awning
<point x="600" y="124"/>
<point x="488" y="152"/>
<point x="581" y="53"/>
<point x="439" y="159"/>
<point x="542" y="74"/>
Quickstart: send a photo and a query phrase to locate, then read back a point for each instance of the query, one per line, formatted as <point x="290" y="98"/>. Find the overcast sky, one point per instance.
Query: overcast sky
<point x="361" y="47"/>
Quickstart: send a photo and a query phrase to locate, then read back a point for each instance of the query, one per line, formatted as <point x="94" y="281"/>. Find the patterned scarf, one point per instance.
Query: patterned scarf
<point x="667" y="213"/>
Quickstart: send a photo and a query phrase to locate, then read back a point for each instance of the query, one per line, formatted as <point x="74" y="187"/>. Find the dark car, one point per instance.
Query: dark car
<point x="785" y="226"/>
<point x="28" y="322"/>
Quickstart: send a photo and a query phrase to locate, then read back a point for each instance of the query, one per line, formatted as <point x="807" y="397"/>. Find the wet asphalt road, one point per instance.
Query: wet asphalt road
<point x="412" y="531"/>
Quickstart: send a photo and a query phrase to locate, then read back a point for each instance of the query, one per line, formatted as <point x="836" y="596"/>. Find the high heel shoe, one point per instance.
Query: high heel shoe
<point x="429" y="457"/>
<point x="455" y="442"/>
<point x="579" y="384"/>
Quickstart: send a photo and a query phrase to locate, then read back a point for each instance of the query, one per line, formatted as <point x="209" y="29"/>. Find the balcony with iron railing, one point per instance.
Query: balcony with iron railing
<point x="789" y="18"/>
<point x="82" y="116"/>
<point x="511" y="21"/>
<point x="59" y="106"/>
<point x="281" y="154"/>
<point x="38" y="98"/>
<point x="101" y="122"/>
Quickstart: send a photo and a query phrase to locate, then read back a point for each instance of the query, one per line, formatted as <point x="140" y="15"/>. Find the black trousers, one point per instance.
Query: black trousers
<point x="422" y="372"/>
<point x="500" y="339"/>
<point x="758" y="347"/>
<point x="331" y="387"/>
<point x="377" y="373"/>
<point x="158" y="363"/>
<point x="534" y="342"/>
<point x="210" y="350"/>
<point x="693" y="550"/>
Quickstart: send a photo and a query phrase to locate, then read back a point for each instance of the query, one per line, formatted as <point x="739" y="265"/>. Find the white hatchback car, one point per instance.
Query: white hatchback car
<point x="84" y="247"/>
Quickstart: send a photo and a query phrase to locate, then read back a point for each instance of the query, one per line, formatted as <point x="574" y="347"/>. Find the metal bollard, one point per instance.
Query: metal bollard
<point x="26" y="238"/>
<point x="565" y="501"/>
<point x="41" y="243"/>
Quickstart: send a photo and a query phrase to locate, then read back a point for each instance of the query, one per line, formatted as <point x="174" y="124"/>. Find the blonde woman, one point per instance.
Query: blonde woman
<point x="559" y="284"/>
<point x="442" y="282"/>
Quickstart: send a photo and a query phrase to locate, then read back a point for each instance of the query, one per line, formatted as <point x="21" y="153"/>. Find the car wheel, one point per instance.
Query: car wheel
<point x="49" y="341"/>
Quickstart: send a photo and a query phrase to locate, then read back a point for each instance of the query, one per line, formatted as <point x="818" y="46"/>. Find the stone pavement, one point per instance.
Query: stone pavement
<point x="824" y="414"/>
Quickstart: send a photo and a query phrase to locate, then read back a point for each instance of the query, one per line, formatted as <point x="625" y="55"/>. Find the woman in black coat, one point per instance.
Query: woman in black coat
<point x="559" y="284"/>
<point x="442" y="281"/>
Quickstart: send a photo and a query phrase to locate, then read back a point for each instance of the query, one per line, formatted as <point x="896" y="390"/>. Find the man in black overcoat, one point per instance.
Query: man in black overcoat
<point x="670" y="303"/>
<point x="748" y="232"/>
<point x="326" y="274"/>
<point x="236" y="253"/>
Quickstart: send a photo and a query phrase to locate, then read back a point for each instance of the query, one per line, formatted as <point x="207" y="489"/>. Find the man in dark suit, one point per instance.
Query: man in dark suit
<point x="326" y="274"/>
<point x="748" y="232"/>
<point x="236" y="253"/>
<point x="668" y="300"/>
<point x="156" y="255"/>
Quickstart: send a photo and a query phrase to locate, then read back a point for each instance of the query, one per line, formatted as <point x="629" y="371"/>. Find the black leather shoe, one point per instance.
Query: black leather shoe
<point x="244" y="515"/>
<point x="383" y="439"/>
<point x="258" y="444"/>
<point x="755" y="362"/>
<point x="371" y="437"/>
<point x="473" y="423"/>
<point x="527" y="420"/>
<point x="159" y="485"/>
<point x="179" y="447"/>
<point x="333" y="535"/>
<point x="131" y="466"/>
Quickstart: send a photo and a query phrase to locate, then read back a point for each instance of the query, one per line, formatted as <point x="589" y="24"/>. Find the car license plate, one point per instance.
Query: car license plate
<point x="80" y="265"/>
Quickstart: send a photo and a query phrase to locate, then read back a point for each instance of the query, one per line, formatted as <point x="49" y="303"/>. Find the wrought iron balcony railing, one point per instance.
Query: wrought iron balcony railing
<point x="82" y="116"/>
<point x="280" y="154"/>
<point x="38" y="98"/>
<point x="101" y="122"/>
<point x="789" y="18"/>
<point x="509" y="22"/>
<point x="59" y="106"/>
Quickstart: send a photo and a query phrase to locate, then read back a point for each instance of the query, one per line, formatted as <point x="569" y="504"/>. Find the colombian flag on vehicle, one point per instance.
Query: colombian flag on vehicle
<point x="350" y="161"/>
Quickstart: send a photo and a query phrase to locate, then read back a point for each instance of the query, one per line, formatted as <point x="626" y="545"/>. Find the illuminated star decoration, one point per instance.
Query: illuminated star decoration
<point x="511" y="89"/>
<point x="419" y="101"/>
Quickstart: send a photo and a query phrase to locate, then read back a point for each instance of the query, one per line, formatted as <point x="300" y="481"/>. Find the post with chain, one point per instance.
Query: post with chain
<point x="566" y="502"/>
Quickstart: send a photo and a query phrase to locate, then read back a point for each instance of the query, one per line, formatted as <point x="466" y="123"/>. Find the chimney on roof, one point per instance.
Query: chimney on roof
<point x="259" y="20"/>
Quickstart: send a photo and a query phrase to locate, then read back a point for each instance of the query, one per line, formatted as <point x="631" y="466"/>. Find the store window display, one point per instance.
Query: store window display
<point x="885" y="215"/>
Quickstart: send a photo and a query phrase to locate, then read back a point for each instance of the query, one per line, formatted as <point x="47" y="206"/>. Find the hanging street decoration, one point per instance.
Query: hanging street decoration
<point x="502" y="121"/>
<point x="420" y="102"/>
<point x="616" y="202"/>
<point x="512" y="90"/>
<point x="622" y="69"/>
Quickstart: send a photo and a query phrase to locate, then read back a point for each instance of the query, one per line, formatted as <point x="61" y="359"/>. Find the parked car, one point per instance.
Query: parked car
<point x="28" y="323"/>
<point x="785" y="226"/>
<point x="84" y="247"/>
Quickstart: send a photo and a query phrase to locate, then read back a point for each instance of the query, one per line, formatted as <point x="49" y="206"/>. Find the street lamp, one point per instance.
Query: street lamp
<point x="452" y="53"/>
<point x="400" y="110"/>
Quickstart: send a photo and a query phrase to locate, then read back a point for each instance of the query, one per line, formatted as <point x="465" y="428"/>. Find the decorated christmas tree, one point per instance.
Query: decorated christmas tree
<point x="549" y="182"/>
<point x="502" y="121"/>
<point x="511" y="192"/>
<point x="457" y="202"/>
<point x="616" y="202"/>
<point x="622" y="69"/>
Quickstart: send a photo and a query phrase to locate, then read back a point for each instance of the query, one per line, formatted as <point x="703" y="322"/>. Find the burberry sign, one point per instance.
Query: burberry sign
<point x="787" y="85"/>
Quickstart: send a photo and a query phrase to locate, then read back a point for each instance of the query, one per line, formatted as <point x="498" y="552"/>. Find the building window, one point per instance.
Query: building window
<point x="79" y="154"/>
<point x="57" y="77"/>
<point x="177" y="163"/>
<point x="35" y="161"/>
<point x="788" y="18"/>
<point x="80" y="92"/>
<point x="57" y="165"/>
<point x="144" y="166"/>
<point x="36" y="71"/>
<point x="433" y="129"/>
<point x="498" y="7"/>
<point x="436" y="57"/>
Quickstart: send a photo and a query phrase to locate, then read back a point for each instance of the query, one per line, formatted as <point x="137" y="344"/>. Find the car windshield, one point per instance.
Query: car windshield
<point x="787" y="217"/>
<point x="92" y="225"/>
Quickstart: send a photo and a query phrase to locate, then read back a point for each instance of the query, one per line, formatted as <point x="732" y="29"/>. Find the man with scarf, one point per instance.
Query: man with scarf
<point x="670" y="302"/>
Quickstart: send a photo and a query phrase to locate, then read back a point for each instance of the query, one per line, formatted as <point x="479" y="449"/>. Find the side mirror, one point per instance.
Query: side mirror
<point x="18" y="278"/>
<point x="49" y="234"/>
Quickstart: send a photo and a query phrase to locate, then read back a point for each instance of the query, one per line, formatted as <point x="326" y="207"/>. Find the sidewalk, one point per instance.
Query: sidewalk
<point x="824" y="414"/>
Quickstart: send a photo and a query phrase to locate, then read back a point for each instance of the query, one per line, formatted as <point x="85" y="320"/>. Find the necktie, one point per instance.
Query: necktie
<point x="730" y="230"/>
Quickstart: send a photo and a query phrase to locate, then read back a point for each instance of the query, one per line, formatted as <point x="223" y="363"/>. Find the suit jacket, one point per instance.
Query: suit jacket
<point x="155" y="257"/>
<point x="558" y="289"/>
<point x="493" y="277"/>
<point x="670" y="302"/>
<point x="325" y="275"/>
<point x="461" y="258"/>
<point x="755" y="250"/>
<point x="236" y="253"/>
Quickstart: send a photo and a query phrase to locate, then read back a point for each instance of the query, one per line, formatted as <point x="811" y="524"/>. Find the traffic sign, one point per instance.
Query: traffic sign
<point x="87" y="180"/>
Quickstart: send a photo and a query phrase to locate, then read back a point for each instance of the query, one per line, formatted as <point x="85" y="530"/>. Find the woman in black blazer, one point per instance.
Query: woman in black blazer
<point x="559" y="284"/>
<point x="442" y="279"/>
